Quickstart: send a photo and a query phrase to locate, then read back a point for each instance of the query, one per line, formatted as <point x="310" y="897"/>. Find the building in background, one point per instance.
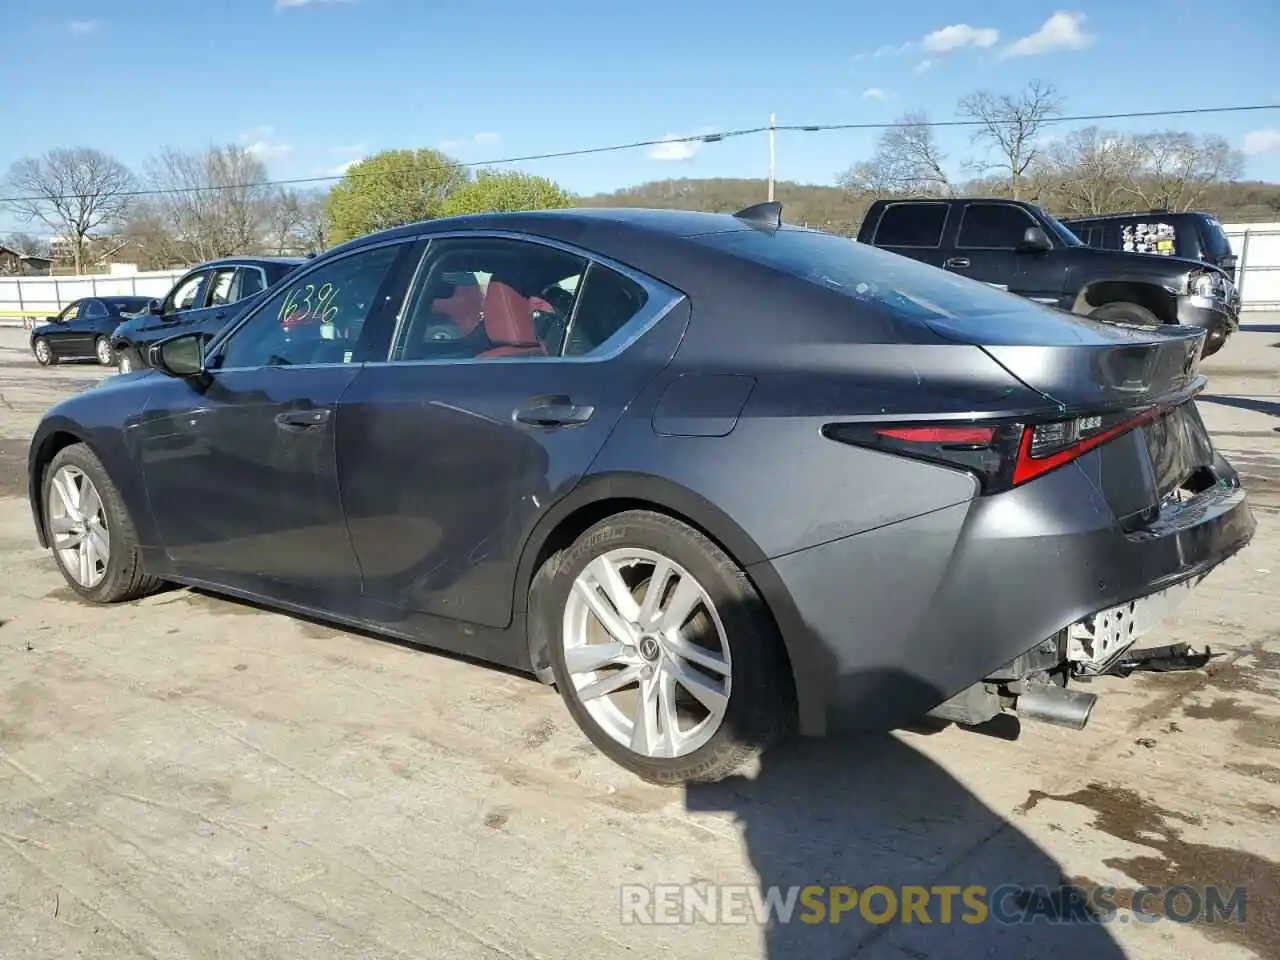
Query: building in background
<point x="15" y="264"/>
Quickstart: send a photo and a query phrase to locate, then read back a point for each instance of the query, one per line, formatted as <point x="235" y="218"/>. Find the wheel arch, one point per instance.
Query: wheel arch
<point x="1154" y="297"/>
<point x="605" y="495"/>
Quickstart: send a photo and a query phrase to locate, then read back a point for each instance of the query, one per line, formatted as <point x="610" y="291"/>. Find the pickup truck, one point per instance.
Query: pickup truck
<point x="1018" y="247"/>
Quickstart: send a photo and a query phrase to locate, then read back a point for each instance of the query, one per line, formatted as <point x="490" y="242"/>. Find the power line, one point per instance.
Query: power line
<point x="697" y="138"/>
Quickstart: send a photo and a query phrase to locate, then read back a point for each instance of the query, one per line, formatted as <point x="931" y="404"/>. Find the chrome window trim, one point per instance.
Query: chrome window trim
<point x="661" y="300"/>
<point x="225" y="335"/>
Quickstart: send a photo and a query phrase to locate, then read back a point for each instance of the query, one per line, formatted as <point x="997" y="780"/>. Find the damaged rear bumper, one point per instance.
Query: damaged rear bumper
<point x="902" y="620"/>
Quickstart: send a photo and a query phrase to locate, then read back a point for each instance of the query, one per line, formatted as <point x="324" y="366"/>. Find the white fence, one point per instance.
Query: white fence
<point x="48" y="295"/>
<point x="1258" y="273"/>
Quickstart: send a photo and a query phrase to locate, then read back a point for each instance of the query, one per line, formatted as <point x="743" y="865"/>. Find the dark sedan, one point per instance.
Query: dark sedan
<point x="204" y="299"/>
<point x="83" y="330"/>
<point x="713" y="476"/>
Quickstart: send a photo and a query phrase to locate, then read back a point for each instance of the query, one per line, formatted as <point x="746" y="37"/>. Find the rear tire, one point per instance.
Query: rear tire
<point x="1124" y="312"/>
<point x="85" y="517"/>
<point x="43" y="352"/>
<point x="705" y="634"/>
<point x="124" y="361"/>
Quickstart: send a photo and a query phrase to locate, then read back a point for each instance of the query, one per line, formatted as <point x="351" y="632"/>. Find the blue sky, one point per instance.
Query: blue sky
<point x="313" y="84"/>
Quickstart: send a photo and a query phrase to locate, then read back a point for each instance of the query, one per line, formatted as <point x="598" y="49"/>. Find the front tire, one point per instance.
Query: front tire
<point x="43" y="352"/>
<point x="90" y="531"/>
<point x="1124" y="312"/>
<point x="682" y="683"/>
<point x="102" y="349"/>
<point x="124" y="361"/>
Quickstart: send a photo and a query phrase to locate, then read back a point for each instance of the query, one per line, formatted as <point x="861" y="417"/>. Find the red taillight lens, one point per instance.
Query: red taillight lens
<point x="1001" y="454"/>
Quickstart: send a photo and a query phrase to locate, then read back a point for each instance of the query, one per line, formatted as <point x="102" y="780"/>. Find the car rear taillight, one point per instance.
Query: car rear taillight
<point x="1001" y="454"/>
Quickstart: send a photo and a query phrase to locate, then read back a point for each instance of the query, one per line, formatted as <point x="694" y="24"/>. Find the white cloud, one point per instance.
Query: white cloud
<point x="958" y="36"/>
<point x="674" y="150"/>
<point x="892" y="50"/>
<point x="284" y="4"/>
<point x="1062" y="31"/>
<point x="349" y="149"/>
<point x="342" y="168"/>
<point x="876" y="93"/>
<point x="1261" y="141"/>
<point x="923" y="65"/>
<point x="260" y="143"/>
<point x="487" y="139"/>
<point x="82" y="28"/>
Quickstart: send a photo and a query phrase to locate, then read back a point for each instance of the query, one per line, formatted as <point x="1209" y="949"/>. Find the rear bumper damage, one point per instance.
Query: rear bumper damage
<point x="995" y="605"/>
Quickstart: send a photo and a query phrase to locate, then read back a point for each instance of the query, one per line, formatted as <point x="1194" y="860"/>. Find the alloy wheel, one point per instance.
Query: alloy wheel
<point x="43" y="352"/>
<point x="78" y="524"/>
<point x="647" y="653"/>
<point x="104" y="352"/>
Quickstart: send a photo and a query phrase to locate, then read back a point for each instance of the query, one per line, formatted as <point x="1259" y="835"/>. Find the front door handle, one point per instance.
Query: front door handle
<point x="956" y="263"/>
<point x="556" y="411"/>
<point x="302" y="419"/>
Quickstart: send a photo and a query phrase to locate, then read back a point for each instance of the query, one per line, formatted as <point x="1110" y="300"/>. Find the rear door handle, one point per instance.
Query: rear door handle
<point x="956" y="263"/>
<point x="557" y="411"/>
<point x="302" y="419"/>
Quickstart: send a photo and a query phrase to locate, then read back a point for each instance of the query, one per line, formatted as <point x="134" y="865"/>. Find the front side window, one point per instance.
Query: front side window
<point x="317" y="318"/>
<point x="487" y="298"/>
<point x="220" y="288"/>
<point x="71" y="312"/>
<point x="183" y="296"/>
<point x="911" y="225"/>
<point x="997" y="226"/>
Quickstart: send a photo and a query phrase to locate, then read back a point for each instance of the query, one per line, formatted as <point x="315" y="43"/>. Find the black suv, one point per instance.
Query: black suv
<point x="206" y="299"/>
<point x="1018" y="247"/>
<point x="1193" y="235"/>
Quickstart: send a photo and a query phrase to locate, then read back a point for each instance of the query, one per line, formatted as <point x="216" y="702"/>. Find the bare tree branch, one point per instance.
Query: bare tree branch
<point x="215" y="203"/>
<point x="907" y="160"/>
<point x="1011" y="125"/>
<point x="74" y="191"/>
<point x="1172" y="170"/>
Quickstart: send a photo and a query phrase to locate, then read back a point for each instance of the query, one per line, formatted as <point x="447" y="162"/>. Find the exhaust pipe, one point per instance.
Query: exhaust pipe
<point x="1056" y="705"/>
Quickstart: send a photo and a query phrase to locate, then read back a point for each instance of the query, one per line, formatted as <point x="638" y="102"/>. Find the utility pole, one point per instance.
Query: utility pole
<point x="773" y="158"/>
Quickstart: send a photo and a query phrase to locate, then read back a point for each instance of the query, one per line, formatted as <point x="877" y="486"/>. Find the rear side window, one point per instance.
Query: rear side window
<point x="993" y="226"/>
<point x="250" y="282"/>
<point x="608" y="301"/>
<point x="911" y="225"/>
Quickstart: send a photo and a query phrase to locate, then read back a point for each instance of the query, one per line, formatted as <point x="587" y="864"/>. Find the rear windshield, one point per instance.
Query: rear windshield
<point x="1215" y="239"/>
<point x="950" y="305"/>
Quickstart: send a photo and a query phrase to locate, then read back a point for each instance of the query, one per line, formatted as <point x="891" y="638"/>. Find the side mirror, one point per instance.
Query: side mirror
<point x="181" y="356"/>
<point x="1034" y="240"/>
<point x="156" y="307"/>
<point x="52" y="319"/>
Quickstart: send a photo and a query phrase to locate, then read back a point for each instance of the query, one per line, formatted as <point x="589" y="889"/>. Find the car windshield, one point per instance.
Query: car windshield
<point x="1061" y="231"/>
<point x="1217" y="245"/>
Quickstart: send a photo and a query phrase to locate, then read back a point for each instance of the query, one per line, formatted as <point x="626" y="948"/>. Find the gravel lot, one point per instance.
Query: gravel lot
<point x="194" y="777"/>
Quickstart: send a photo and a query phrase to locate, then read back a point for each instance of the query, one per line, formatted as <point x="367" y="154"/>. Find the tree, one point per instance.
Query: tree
<point x="1174" y="170"/>
<point x="26" y="244"/>
<point x="392" y="188"/>
<point x="907" y="159"/>
<point x="491" y="192"/>
<point x="214" y="203"/>
<point x="74" y="191"/>
<point x="1011" y="125"/>
<point x="1087" y="171"/>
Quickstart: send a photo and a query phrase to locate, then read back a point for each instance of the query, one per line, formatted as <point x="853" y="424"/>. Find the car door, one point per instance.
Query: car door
<point x="914" y="228"/>
<point x="239" y="465"/>
<point x="70" y="336"/>
<point x="449" y="452"/>
<point x="988" y="248"/>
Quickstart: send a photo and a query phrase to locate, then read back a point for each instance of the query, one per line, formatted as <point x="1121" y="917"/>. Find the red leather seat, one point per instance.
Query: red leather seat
<point x="508" y="323"/>
<point x="463" y="306"/>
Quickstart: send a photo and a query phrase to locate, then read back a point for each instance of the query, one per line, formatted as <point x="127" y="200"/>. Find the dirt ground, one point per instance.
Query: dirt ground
<point x="193" y="777"/>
